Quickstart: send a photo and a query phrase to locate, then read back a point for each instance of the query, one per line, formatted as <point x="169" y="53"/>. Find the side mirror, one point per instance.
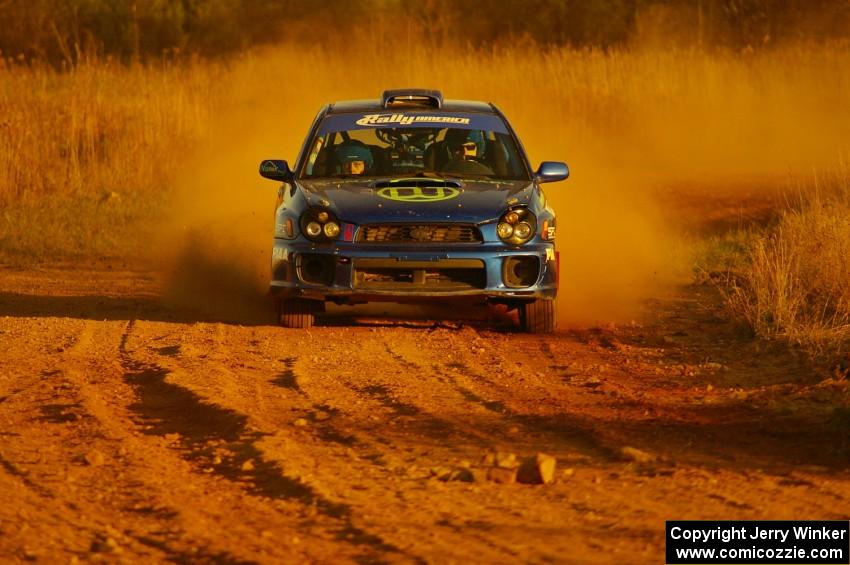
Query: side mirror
<point x="275" y="169"/>
<point x="552" y="171"/>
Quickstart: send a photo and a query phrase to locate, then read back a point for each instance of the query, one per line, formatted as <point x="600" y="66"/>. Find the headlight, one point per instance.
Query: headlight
<point x="319" y="225"/>
<point x="516" y="226"/>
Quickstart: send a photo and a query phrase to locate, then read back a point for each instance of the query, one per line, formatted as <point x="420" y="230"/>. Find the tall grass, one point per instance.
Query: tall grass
<point x="795" y="282"/>
<point x="98" y="128"/>
<point x="88" y="154"/>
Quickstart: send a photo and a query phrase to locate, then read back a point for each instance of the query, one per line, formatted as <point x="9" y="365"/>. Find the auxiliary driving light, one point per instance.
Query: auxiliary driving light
<point x="314" y="229"/>
<point x="522" y="230"/>
<point x="331" y="229"/>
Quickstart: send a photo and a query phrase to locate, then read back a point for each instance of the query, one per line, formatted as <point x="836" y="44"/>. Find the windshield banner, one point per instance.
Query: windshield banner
<point x="344" y="122"/>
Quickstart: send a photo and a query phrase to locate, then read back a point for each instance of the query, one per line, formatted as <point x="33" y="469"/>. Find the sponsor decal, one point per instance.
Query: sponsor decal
<point x="550" y="254"/>
<point x="381" y="119"/>
<point x="418" y="194"/>
<point x="269" y="167"/>
<point x="550" y="233"/>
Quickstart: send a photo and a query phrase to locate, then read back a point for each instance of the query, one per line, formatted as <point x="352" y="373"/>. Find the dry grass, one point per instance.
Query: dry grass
<point x="87" y="155"/>
<point x="795" y="283"/>
<point x="99" y="128"/>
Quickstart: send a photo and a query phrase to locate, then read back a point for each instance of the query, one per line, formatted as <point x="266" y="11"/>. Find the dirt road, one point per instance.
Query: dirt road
<point x="135" y="432"/>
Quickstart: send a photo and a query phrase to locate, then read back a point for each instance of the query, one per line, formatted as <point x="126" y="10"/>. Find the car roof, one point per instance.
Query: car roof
<point x="375" y="105"/>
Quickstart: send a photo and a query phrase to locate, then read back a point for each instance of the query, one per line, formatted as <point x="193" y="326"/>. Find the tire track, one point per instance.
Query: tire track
<point x="165" y="534"/>
<point x="57" y="398"/>
<point x="58" y="402"/>
<point x="323" y="428"/>
<point x="333" y="417"/>
<point x="385" y="398"/>
<point x="444" y="377"/>
<point x="467" y="394"/>
<point x="287" y="379"/>
<point x="412" y="424"/>
<point x="28" y="380"/>
<point x="411" y="417"/>
<point x="575" y="433"/>
<point x="12" y="469"/>
<point x="571" y="431"/>
<point x="414" y="418"/>
<point x="202" y="555"/>
<point x="166" y="408"/>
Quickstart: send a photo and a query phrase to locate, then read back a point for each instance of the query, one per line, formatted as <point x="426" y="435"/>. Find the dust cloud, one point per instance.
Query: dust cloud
<point x="659" y="141"/>
<point x="629" y="123"/>
<point x="216" y="237"/>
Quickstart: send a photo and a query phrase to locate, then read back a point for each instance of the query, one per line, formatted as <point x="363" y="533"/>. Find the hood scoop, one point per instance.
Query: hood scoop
<point x="417" y="183"/>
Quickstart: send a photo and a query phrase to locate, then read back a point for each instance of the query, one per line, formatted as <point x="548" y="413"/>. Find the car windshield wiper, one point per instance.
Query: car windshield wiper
<point x="344" y="176"/>
<point x="470" y="176"/>
<point x="436" y="175"/>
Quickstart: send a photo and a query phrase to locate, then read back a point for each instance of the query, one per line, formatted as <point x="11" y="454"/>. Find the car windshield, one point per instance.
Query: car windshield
<point x="447" y="145"/>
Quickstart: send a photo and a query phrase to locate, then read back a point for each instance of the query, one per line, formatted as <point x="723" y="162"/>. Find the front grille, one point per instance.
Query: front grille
<point x="419" y="233"/>
<point x="445" y="275"/>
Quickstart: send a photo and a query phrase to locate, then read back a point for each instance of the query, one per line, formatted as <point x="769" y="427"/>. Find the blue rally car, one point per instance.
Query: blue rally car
<point x="413" y="198"/>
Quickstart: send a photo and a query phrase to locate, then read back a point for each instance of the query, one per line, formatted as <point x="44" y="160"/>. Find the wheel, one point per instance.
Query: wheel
<point x="297" y="313"/>
<point x="537" y="317"/>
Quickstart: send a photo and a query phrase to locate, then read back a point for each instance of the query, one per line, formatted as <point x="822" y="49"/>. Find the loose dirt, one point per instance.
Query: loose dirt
<point x="136" y="432"/>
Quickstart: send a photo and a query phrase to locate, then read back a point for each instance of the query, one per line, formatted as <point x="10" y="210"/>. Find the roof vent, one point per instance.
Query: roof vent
<point x="412" y="97"/>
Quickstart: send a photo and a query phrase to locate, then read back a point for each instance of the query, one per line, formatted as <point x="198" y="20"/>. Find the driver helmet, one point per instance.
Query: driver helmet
<point x="348" y="153"/>
<point x="470" y="140"/>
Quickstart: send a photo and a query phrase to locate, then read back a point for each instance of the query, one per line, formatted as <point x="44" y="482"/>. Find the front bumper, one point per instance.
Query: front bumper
<point x="348" y="272"/>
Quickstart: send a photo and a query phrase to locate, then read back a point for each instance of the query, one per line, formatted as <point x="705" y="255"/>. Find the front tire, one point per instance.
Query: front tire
<point x="297" y="313"/>
<point x="538" y="317"/>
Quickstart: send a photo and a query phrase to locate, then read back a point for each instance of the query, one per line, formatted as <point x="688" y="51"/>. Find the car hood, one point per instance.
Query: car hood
<point x="367" y="202"/>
